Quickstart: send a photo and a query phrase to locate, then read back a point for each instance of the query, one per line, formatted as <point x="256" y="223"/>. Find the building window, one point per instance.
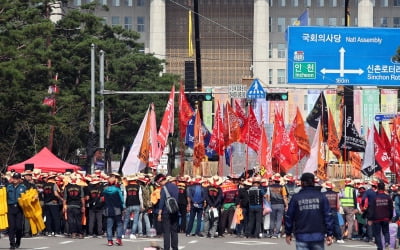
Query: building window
<point x="396" y="3"/>
<point x="128" y="23"/>
<point x="320" y="3"/>
<point x="271" y="2"/>
<point x="282" y="3"/>
<point x="384" y="3"/>
<point x="319" y="21"/>
<point x="396" y="22"/>
<point x="281" y="50"/>
<point x="333" y="3"/>
<point x="140" y="3"/>
<point x="103" y="2"/>
<point x="128" y="3"/>
<point x="270" y="76"/>
<point x="115" y="21"/>
<point x="115" y="3"/>
<point x="383" y="21"/>
<point x="293" y="20"/>
<point x="270" y="50"/>
<point x="307" y="3"/>
<point x="281" y="76"/>
<point x="281" y="24"/>
<point x="77" y="2"/>
<point x="295" y="3"/>
<point x="332" y="21"/>
<point x="140" y="24"/>
<point x="270" y="24"/>
<point x="104" y="20"/>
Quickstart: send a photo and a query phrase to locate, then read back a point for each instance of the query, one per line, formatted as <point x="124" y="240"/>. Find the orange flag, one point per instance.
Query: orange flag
<point x="144" y="152"/>
<point x="289" y="149"/>
<point x="185" y="111"/>
<point x="198" y="148"/>
<point x="233" y="124"/>
<point x="300" y="135"/>
<point x="251" y="132"/>
<point x="321" y="170"/>
<point x="333" y="139"/>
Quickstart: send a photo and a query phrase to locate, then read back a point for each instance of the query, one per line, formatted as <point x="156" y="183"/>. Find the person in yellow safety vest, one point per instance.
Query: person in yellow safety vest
<point x="349" y="205"/>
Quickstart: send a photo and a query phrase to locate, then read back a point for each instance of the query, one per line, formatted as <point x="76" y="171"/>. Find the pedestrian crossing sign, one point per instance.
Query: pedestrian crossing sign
<point x="256" y="90"/>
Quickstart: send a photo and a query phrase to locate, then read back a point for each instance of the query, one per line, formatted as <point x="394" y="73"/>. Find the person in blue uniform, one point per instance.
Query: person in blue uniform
<point x="308" y="217"/>
<point x="15" y="215"/>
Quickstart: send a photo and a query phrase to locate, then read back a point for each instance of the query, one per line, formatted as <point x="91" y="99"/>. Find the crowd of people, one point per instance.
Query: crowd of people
<point x="101" y="205"/>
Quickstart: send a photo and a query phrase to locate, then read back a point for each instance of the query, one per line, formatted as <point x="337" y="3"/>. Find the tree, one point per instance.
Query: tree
<point x="33" y="50"/>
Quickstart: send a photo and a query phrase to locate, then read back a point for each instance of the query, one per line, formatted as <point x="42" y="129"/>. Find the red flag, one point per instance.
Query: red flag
<point x="49" y="101"/>
<point x="264" y="155"/>
<point x="233" y="123"/>
<point x="288" y="156"/>
<point x="300" y="135"/>
<point x="395" y="149"/>
<point x="199" y="148"/>
<point x="381" y="155"/>
<point x="251" y="132"/>
<point x="240" y="114"/>
<point x="385" y="140"/>
<point x="217" y="138"/>
<point x="149" y="146"/>
<point x="277" y="137"/>
<point x="185" y="112"/>
<point x="167" y="124"/>
<point x="333" y="139"/>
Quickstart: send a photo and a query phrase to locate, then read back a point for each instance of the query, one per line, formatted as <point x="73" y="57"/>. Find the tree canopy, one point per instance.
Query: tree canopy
<point x="33" y="50"/>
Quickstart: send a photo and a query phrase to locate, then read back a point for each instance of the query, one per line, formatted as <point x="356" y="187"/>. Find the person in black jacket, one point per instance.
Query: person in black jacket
<point x="380" y="214"/>
<point x="169" y="220"/>
<point x="213" y="207"/>
<point x="308" y="216"/>
<point x="242" y="201"/>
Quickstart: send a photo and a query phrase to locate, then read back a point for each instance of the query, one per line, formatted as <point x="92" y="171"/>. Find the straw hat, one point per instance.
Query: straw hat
<point x="348" y="182"/>
<point x="289" y="177"/>
<point x="256" y="179"/>
<point x="276" y="177"/>
<point x="248" y="182"/>
<point x="329" y="185"/>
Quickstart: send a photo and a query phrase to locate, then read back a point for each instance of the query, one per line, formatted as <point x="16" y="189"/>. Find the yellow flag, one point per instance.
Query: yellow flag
<point x="190" y="35"/>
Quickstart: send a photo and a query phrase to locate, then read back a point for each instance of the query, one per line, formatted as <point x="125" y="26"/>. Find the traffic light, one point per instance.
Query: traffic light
<point x="283" y="96"/>
<point x="200" y="97"/>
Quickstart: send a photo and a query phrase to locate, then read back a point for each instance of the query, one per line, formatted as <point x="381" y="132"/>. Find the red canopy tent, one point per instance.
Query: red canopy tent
<point x="46" y="161"/>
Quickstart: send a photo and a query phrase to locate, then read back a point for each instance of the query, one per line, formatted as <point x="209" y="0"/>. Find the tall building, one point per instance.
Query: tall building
<point x="238" y="38"/>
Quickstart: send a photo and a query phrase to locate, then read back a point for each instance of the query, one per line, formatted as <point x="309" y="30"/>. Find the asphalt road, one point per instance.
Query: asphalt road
<point x="190" y="243"/>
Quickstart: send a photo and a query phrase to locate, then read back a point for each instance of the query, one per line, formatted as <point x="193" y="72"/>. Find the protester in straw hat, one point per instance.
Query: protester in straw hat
<point x="182" y="202"/>
<point x="196" y="196"/>
<point x="349" y="205"/>
<point x="278" y="199"/>
<point x="213" y="206"/>
<point x="114" y="206"/>
<point x="134" y="204"/>
<point x="95" y="213"/>
<point x="52" y="200"/>
<point x="74" y="206"/>
<point x="334" y="204"/>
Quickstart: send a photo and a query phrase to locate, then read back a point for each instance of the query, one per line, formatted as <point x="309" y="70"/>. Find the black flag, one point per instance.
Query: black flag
<point x="319" y="112"/>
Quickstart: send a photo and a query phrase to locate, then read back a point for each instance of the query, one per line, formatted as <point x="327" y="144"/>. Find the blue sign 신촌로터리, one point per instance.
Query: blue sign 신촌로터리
<point x="343" y="56"/>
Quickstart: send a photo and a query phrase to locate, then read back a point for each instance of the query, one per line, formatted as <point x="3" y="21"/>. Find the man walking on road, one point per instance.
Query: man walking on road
<point x="308" y="217"/>
<point x="169" y="220"/>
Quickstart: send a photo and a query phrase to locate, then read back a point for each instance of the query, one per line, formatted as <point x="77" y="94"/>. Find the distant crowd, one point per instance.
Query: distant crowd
<point x="255" y="207"/>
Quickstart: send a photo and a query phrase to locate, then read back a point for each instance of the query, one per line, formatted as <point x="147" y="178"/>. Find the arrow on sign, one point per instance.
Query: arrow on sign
<point x="341" y="69"/>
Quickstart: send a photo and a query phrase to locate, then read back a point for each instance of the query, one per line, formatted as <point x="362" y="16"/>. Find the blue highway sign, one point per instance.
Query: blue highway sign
<point x="343" y="56"/>
<point x="256" y="90"/>
<point x="384" y="117"/>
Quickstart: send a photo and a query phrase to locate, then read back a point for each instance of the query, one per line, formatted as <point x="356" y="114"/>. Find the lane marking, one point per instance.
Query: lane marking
<point x="251" y="243"/>
<point x="66" y="242"/>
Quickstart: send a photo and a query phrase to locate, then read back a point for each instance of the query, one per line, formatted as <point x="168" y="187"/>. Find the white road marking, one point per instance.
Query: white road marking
<point x="41" y="248"/>
<point x="66" y="242"/>
<point x="359" y="246"/>
<point x="251" y="243"/>
<point x="193" y="241"/>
